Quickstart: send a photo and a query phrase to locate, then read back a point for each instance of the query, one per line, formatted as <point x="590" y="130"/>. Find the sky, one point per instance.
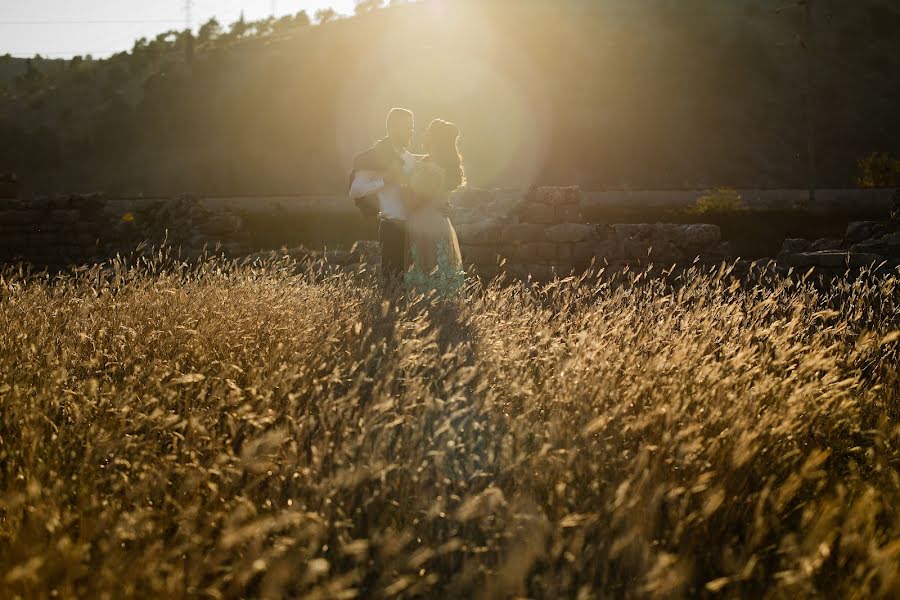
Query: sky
<point x="65" y="28"/>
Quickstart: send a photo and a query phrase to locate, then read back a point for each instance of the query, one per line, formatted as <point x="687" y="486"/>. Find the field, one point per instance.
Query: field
<point x="229" y="431"/>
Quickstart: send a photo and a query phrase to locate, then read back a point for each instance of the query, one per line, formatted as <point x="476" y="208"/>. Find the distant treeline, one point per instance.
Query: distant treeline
<point x="605" y="94"/>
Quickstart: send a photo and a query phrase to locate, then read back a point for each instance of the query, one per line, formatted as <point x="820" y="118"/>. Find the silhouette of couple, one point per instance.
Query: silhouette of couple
<point x="409" y="194"/>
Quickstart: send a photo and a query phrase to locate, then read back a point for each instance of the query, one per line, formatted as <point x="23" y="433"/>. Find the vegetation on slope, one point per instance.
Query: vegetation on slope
<point x="610" y="94"/>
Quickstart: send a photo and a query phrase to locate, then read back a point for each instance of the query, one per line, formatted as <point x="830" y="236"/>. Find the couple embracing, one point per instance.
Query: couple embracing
<point x="409" y="194"/>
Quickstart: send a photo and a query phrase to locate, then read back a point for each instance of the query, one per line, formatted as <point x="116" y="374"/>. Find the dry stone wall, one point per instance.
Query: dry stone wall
<point x="77" y="229"/>
<point x="865" y="244"/>
<point x="541" y="233"/>
<point x="538" y="233"/>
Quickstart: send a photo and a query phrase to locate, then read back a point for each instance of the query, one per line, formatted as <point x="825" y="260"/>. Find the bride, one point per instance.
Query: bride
<point x="434" y="259"/>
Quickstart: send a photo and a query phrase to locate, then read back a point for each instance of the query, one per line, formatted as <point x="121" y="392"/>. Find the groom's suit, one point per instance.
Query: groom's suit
<point x="382" y="157"/>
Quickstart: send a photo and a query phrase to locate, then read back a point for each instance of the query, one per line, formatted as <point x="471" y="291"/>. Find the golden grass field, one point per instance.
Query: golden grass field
<point x="239" y="431"/>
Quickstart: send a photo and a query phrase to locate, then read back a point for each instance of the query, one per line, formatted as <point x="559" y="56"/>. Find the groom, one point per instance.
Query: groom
<point x="386" y="158"/>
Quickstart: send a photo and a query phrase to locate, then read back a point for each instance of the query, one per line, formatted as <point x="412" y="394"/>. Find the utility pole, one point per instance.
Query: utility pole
<point x="810" y="120"/>
<point x="189" y="27"/>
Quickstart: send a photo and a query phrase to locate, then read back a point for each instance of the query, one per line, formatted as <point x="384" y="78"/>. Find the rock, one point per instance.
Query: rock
<point x="366" y="251"/>
<point x="638" y="231"/>
<point x="220" y="225"/>
<point x="605" y="233"/>
<point x="537" y="213"/>
<point x="719" y="252"/>
<point x="555" y="195"/>
<point x="522" y="232"/>
<point x="635" y="249"/>
<point x="700" y="236"/>
<point x="535" y="252"/>
<point x="601" y="250"/>
<point x="665" y="234"/>
<point x="465" y="216"/>
<point x="892" y="242"/>
<point x="863" y="259"/>
<point x="337" y="257"/>
<point x="540" y="273"/>
<point x="480" y="255"/>
<point x="830" y="259"/>
<point x="800" y="260"/>
<point x="570" y="232"/>
<point x="470" y="198"/>
<point x="857" y="231"/>
<point x="567" y="213"/>
<point x="666" y="252"/>
<point x="794" y="245"/>
<point x="874" y="246"/>
<point x="825" y="245"/>
<point x="506" y="202"/>
<point x="479" y="233"/>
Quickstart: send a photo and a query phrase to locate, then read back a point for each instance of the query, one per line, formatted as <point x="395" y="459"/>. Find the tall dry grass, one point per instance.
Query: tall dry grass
<point x="229" y="431"/>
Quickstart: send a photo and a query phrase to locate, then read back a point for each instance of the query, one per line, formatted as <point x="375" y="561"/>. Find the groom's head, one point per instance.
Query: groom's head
<point x="400" y="125"/>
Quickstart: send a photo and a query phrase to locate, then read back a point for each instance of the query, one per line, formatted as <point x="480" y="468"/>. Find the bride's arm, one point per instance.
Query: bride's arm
<point x="366" y="183"/>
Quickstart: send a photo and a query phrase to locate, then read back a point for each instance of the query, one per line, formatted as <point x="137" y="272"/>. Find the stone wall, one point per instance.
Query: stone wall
<point x="538" y="233"/>
<point x="77" y="229"/>
<point x="541" y="233"/>
<point x="865" y="244"/>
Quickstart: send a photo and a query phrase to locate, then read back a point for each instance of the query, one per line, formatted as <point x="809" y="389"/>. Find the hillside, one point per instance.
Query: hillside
<point x="611" y="94"/>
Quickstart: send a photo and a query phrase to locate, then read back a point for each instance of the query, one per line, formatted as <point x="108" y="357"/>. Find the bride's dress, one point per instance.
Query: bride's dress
<point x="432" y="257"/>
<point x="435" y="258"/>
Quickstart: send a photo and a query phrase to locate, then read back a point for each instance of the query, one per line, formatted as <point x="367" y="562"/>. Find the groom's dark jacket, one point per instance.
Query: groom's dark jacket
<point x="380" y="157"/>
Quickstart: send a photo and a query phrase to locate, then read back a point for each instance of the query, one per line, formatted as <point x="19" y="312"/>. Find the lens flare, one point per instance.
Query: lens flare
<point x="448" y="62"/>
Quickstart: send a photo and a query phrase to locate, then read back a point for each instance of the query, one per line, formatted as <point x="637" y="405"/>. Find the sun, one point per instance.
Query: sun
<point x="433" y="60"/>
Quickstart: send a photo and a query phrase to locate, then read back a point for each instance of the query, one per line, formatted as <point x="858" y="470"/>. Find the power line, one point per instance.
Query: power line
<point x="67" y="54"/>
<point x="92" y="22"/>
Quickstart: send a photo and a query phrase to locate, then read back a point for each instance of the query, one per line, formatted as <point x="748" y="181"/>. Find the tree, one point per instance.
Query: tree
<point x="324" y="15"/>
<point x="32" y="79"/>
<point x="239" y="27"/>
<point x="265" y="26"/>
<point x="167" y="37"/>
<point x="209" y="31"/>
<point x="367" y="6"/>
<point x="288" y="22"/>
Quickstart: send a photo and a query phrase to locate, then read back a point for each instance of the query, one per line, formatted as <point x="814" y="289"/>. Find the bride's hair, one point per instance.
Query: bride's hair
<point x="445" y="152"/>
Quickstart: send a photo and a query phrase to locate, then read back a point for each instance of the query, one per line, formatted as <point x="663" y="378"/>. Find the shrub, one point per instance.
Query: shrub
<point x="879" y="169"/>
<point x="718" y="201"/>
